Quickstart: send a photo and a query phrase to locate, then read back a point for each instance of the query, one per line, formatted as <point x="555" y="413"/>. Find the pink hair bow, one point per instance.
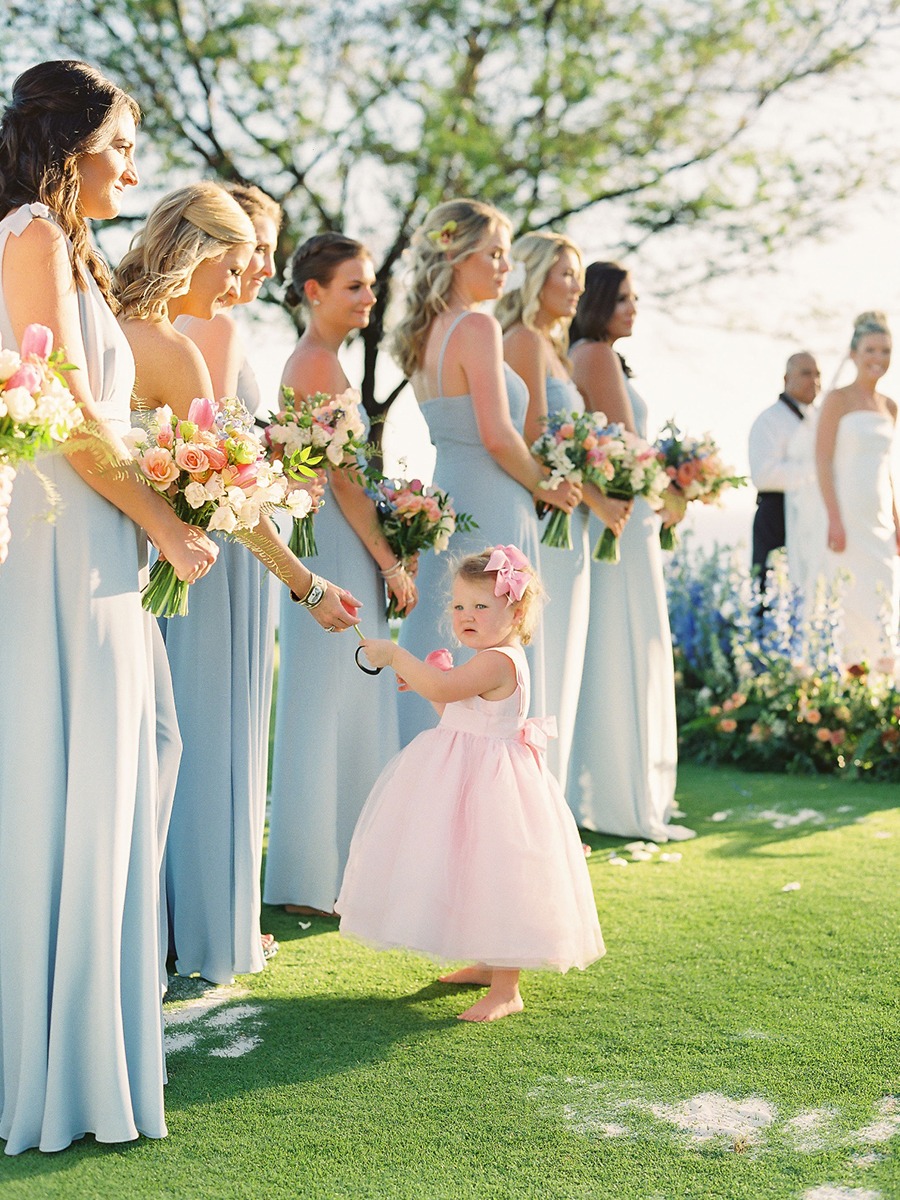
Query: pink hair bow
<point x="536" y="734"/>
<point x="513" y="572"/>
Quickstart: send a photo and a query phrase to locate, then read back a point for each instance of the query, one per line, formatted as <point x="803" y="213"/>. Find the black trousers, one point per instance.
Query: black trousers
<point x="768" y="529"/>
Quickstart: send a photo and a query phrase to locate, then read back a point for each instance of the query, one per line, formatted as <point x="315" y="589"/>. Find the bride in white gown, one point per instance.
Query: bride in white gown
<point x="853" y="459"/>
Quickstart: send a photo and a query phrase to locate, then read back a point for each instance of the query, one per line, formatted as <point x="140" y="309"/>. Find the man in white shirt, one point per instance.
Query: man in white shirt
<point x="771" y="468"/>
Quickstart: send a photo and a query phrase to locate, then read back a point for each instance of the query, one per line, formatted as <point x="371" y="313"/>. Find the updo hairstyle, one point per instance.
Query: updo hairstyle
<point x="318" y="258"/>
<point x="866" y="323"/>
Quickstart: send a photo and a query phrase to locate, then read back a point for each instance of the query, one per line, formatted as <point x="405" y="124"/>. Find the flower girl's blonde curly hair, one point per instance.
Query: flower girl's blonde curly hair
<point x="449" y="234"/>
<point x="472" y="568"/>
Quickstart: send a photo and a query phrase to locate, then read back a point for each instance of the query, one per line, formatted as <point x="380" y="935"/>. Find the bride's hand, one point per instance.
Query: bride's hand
<point x="837" y="538"/>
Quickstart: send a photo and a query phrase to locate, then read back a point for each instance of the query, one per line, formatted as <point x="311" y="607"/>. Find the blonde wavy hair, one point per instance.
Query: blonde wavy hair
<point x="449" y="234"/>
<point x="256" y="203"/>
<point x="866" y="323"/>
<point x="184" y="229"/>
<point x="472" y="567"/>
<point x="537" y="252"/>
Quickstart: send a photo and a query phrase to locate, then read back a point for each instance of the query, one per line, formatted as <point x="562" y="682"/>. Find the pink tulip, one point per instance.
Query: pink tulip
<point x="246" y="475"/>
<point x="442" y="659"/>
<point x="37" y="340"/>
<point x="27" y="376"/>
<point x="202" y="413"/>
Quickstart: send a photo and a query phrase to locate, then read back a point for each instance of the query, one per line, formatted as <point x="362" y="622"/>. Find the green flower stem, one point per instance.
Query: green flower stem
<point x="559" y="530"/>
<point x="303" y="537"/>
<point x="165" y="595"/>
<point x="607" y="548"/>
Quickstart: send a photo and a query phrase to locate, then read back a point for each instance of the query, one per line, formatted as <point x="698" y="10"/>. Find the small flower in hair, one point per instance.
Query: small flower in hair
<point x="444" y="235"/>
<point x="513" y="572"/>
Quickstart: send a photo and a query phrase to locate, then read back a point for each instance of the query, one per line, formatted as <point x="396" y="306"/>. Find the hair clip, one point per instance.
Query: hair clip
<point x="444" y="235"/>
<point x="513" y="572"/>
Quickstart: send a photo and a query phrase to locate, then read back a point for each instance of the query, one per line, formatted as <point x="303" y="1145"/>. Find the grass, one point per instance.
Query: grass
<point x="717" y="983"/>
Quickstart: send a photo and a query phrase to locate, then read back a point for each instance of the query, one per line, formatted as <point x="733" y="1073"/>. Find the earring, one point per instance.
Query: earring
<point x="316" y="303"/>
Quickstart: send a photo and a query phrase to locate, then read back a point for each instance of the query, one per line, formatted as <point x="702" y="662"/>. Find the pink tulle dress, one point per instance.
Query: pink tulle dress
<point x="466" y="848"/>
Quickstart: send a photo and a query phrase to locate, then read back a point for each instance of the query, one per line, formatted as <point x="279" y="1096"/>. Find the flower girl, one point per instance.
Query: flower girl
<point x="466" y="848"/>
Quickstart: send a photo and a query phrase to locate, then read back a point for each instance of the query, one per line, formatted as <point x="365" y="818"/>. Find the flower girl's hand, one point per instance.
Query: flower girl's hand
<point x="379" y="651"/>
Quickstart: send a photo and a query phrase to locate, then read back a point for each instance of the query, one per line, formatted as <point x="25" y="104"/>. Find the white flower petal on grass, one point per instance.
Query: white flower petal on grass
<point x="721" y="816"/>
<point x="616" y="861"/>
<point x="670" y="857"/>
<point x="834" y="1191"/>
<point x="640" y="856"/>
<point x="791" y="887"/>
<point x="712" y="1115"/>
<point x="651" y="847"/>
<point x="237" y="1048"/>
<point x="632" y="846"/>
<point x="883" y="833"/>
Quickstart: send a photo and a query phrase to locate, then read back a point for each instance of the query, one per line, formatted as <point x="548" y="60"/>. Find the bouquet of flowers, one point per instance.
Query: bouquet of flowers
<point x="413" y="518"/>
<point x="627" y="467"/>
<point x="307" y="430"/>
<point x="695" y="469"/>
<point x="571" y="447"/>
<point x="37" y="410"/>
<point x="213" y="471"/>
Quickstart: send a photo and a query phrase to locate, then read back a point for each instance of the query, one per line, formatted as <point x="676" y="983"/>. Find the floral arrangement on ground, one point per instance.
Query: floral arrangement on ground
<point x="760" y="686"/>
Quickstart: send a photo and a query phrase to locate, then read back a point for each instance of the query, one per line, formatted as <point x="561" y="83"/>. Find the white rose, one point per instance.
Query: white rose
<point x="2" y="407"/>
<point x="320" y="436"/>
<point x="299" y="503"/>
<point x="9" y="363"/>
<point x="196" y="495"/>
<point x="19" y="404"/>
<point x="215" y="488"/>
<point x="223" y="518"/>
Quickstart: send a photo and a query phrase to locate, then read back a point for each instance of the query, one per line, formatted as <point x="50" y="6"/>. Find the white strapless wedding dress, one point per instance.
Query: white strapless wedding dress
<point x="862" y="479"/>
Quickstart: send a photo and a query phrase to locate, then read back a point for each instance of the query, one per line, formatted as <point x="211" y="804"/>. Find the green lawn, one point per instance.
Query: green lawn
<point x="738" y="1041"/>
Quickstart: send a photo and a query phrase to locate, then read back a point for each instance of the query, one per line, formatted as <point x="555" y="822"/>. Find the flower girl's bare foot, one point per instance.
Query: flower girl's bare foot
<point x="478" y="974"/>
<point x="501" y="1001"/>
<point x="492" y="1007"/>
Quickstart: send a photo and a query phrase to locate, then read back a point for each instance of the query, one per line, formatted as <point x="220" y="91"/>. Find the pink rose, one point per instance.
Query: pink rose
<point x="165" y="436"/>
<point x="37" y="340"/>
<point x="202" y="413"/>
<point x="159" y="467"/>
<point x="567" y="430"/>
<point x="415" y="485"/>
<point x="28" y="377"/>
<point x="838" y="737"/>
<point x="192" y="459"/>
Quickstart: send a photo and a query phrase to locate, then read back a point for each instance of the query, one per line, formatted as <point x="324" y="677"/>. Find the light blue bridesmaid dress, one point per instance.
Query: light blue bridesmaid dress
<point x="335" y="727"/>
<point x="566" y="575"/>
<point x="624" y="754"/>
<point x="81" y="1047"/>
<point x="221" y="656"/>
<point x="505" y="514"/>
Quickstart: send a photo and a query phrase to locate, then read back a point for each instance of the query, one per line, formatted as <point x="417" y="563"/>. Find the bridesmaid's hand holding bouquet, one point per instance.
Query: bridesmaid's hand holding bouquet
<point x="695" y="471"/>
<point x="213" y="471"/>
<point x="307" y="431"/>
<point x="629" y="468"/>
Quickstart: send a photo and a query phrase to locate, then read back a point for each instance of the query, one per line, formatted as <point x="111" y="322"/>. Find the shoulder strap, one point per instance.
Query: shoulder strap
<point x="447" y="336"/>
<point x="517" y="656"/>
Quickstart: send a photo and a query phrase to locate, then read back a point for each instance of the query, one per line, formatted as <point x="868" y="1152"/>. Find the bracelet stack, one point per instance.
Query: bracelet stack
<point x="395" y="570"/>
<point x="317" y="589"/>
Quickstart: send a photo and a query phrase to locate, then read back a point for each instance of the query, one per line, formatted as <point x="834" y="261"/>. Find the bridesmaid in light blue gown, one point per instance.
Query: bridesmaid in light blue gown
<point x="624" y="754"/>
<point x="81" y="1047"/>
<point x="220" y="653"/>
<point x="534" y="313"/>
<point x="475" y="407"/>
<point x="334" y="726"/>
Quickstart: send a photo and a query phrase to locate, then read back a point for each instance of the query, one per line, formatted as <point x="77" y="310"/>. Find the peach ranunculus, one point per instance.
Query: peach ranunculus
<point x="823" y="734"/>
<point x="727" y="725"/>
<point x="159" y="467"/>
<point x="813" y="716"/>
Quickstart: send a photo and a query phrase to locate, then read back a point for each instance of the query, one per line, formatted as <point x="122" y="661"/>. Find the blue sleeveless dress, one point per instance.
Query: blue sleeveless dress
<point x="335" y="727"/>
<point x="505" y="514"/>
<point x="624" y="753"/>
<point x="566" y="575"/>
<point x="81" y="1044"/>
<point x="221" y="656"/>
